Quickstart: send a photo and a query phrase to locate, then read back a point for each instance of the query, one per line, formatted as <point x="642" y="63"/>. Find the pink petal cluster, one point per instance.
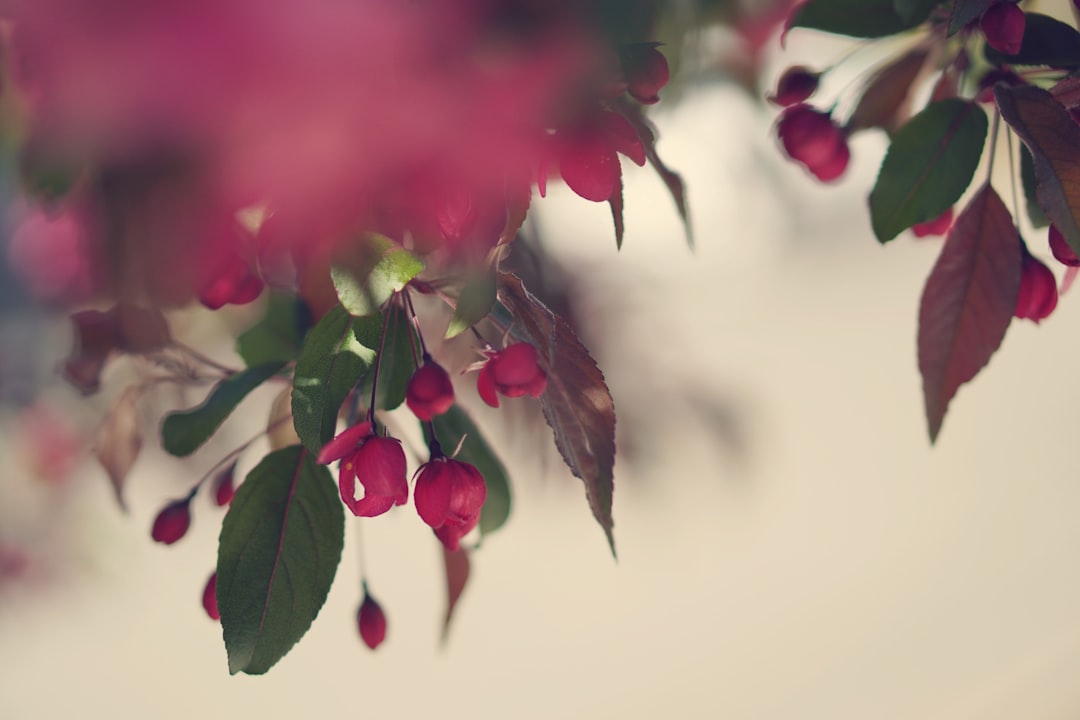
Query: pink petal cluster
<point x="512" y="372"/>
<point x="812" y="138"/>
<point x="1003" y="26"/>
<point x="1038" y="290"/>
<point x="449" y="496"/>
<point x="430" y="391"/>
<point x="378" y="463"/>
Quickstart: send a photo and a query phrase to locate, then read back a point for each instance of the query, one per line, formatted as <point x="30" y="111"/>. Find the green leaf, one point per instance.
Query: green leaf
<point x="473" y="305"/>
<point x="616" y="204"/>
<point x="397" y="365"/>
<point x="279" y="550"/>
<point x="1046" y="42"/>
<point x="929" y="165"/>
<point x="331" y="362"/>
<point x="914" y="11"/>
<point x="182" y="433"/>
<point x="450" y="427"/>
<point x="856" y="18"/>
<point x="1027" y="177"/>
<point x="577" y="404"/>
<point x="1053" y="137"/>
<point x="966" y="11"/>
<point x="380" y="268"/>
<point x="278" y="335"/>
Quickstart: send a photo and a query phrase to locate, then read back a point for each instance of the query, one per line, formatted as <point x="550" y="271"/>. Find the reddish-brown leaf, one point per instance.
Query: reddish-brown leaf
<point x="886" y="97"/>
<point x="120" y="440"/>
<point x="968" y="301"/>
<point x="577" y="404"/>
<point x="616" y="203"/>
<point x="457" y="575"/>
<point x="1053" y="137"/>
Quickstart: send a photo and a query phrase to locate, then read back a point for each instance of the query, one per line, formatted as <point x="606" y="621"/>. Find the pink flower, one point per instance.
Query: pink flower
<point x="449" y="495"/>
<point x="430" y="391"/>
<point x="513" y="372"/>
<point x="377" y="462"/>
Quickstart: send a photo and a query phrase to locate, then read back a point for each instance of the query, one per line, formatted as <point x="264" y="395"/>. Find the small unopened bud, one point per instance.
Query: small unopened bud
<point x="371" y="621"/>
<point x="209" y="598"/>
<point x="646" y="70"/>
<point x="430" y="391"/>
<point x="1003" y="26"/>
<point x="938" y="226"/>
<point x="810" y="137"/>
<point x="224" y="489"/>
<point x="795" y="85"/>
<point x="1038" y="290"/>
<point x="172" y="522"/>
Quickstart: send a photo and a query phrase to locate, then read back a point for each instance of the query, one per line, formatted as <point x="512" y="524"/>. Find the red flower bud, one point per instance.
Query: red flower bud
<point x="795" y="85"/>
<point x="1061" y="249"/>
<point x="1038" y="290"/>
<point x="449" y="496"/>
<point x="371" y="620"/>
<point x="430" y="391"/>
<point x="224" y="489"/>
<point x="513" y="372"/>
<point x="646" y="70"/>
<point x="172" y="522"/>
<point x="234" y="283"/>
<point x="1003" y="26"/>
<point x="209" y="598"/>
<point x="938" y="226"/>
<point x="813" y="139"/>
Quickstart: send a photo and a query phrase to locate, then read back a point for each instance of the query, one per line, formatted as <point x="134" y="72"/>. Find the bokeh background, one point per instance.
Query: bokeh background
<point x="790" y="545"/>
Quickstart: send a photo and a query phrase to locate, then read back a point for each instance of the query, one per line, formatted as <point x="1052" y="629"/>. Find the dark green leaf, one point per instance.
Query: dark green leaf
<point x="1053" y="137"/>
<point x="182" y="433"/>
<point x="278" y="335"/>
<point x="914" y="12"/>
<point x="331" y="362"/>
<point x="381" y="268"/>
<point x="398" y="363"/>
<point x="279" y="550"/>
<point x="449" y="429"/>
<point x="1027" y="177"/>
<point x="929" y="165"/>
<point x="966" y="11"/>
<point x="473" y="305"/>
<point x="577" y="404"/>
<point x="857" y="18"/>
<point x="1046" y="42"/>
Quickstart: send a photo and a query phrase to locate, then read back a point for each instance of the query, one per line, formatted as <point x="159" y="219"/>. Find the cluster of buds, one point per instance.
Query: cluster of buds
<point x="809" y="136"/>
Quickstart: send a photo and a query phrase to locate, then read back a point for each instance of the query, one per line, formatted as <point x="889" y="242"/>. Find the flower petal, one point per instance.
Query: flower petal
<point x="344" y="443"/>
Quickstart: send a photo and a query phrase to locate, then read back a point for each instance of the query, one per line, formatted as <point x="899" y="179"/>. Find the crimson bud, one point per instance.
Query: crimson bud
<point x="430" y="391"/>
<point x="646" y="70"/>
<point x="224" y="489"/>
<point x="209" y="598"/>
<point x="795" y="85"/>
<point x="1061" y="249"/>
<point x="172" y="522"/>
<point x="1003" y="26"/>
<point x="810" y="137"/>
<point x="371" y="620"/>
<point x="1038" y="290"/>
<point x="938" y="226"/>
